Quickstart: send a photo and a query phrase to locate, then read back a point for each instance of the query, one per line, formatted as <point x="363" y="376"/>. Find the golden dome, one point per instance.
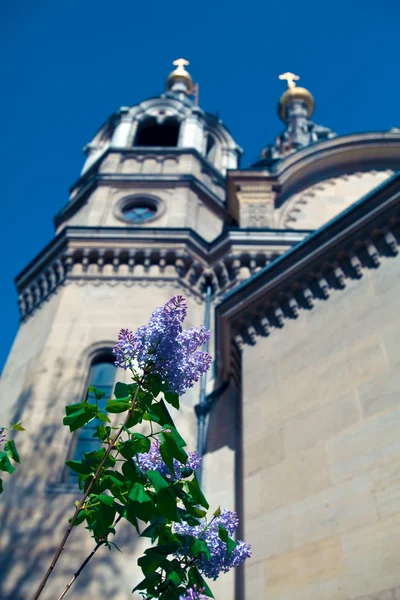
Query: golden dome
<point x="295" y="93"/>
<point x="179" y="75"/>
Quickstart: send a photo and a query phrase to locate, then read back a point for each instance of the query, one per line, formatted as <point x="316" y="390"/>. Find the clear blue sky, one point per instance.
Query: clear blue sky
<point x="67" y="65"/>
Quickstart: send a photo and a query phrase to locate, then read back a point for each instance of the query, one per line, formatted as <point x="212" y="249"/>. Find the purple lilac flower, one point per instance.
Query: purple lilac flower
<point x="2" y="435"/>
<point x="152" y="460"/>
<point x="162" y="347"/>
<point x="194" y="594"/>
<point x="219" y="561"/>
<point x="124" y="349"/>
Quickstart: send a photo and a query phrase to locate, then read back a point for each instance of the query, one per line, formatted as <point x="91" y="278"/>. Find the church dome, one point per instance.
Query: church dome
<point x="295" y="93"/>
<point x="180" y="76"/>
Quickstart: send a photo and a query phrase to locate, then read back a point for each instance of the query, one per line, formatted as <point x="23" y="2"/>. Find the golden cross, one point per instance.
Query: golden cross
<point x="181" y="63"/>
<point x="290" y="78"/>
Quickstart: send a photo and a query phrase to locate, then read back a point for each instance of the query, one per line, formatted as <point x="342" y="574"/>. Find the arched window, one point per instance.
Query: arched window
<point x="101" y="375"/>
<point x="151" y="133"/>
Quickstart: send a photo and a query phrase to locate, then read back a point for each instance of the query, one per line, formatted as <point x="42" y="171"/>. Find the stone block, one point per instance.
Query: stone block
<point x="262" y="451"/>
<point x="372" y="557"/>
<point x="386" y="487"/>
<point x="294" y="478"/>
<point x="380" y="394"/>
<point x="270" y="534"/>
<point x="320" y="423"/>
<point x="254" y="579"/>
<point x="365" y="446"/>
<point x="312" y="571"/>
<point x="337" y="509"/>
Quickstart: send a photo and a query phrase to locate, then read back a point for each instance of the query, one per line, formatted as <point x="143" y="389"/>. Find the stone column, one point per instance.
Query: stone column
<point x="192" y="132"/>
<point x="120" y="138"/>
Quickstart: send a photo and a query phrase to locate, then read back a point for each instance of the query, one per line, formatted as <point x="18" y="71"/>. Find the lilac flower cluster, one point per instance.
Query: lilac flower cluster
<point x="152" y="460"/>
<point x="162" y="347"/>
<point x="2" y="435"/>
<point x="219" y="561"/>
<point x="194" y="594"/>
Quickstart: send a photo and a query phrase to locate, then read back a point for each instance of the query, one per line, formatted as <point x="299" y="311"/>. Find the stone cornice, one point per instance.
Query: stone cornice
<point x="350" y="243"/>
<point x="126" y="255"/>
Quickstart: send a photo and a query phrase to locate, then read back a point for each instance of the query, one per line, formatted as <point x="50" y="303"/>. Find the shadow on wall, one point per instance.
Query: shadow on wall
<point x="33" y="520"/>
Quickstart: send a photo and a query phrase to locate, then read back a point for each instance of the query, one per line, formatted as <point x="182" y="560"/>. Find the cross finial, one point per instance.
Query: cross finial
<point x="290" y="78"/>
<point x="181" y="63"/>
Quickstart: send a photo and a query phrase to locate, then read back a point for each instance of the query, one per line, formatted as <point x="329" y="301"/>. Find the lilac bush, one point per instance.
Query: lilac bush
<point x="150" y="480"/>
<point x="220" y="560"/>
<point x="152" y="460"/>
<point x="162" y="347"/>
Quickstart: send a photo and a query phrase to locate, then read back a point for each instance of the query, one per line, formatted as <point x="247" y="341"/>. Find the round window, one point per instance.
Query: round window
<point x="138" y="210"/>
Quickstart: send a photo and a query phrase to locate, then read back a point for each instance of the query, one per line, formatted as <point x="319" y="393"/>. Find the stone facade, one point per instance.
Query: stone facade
<point x="303" y="405"/>
<point x="321" y="424"/>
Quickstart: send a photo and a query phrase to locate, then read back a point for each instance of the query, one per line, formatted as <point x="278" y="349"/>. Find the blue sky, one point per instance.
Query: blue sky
<point x="66" y="66"/>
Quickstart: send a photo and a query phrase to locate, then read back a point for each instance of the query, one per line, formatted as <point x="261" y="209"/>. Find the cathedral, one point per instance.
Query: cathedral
<point x="293" y="264"/>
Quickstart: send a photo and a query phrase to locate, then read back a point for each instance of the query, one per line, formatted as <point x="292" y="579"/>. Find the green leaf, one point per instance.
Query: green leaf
<point x="175" y="578"/>
<point x="5" y="464"/>
<point x="155" y="529"/>
<point x="137" y="444"/>
<point x="157" y="480"/>
<point x="172" y="399"/>
<point x="102" y="417"/>
<point x="142" y="503"/>
<point x="123" y="390"/>
<point x="102" y="432"/>
<point x="79" y="466"/>
<point x="199" y="547"/>
<point x="17" y="426"/>
<point x="109" y="500"/>
<point x="11" y="451"/>
<point x="159" y="413"/>
<point x="130" y="515"/>
<point x="83" y="414"/>
<point x="196" y="493"/>
<point x="99" y="394"/>
<point x="217" y="513"/>
<point x="118" y="406"/>
<point x="168" y="440"/>
<point x="195" y="577"/>
<point x="150" y="582"/>
<point x="230" y="543"/>
<point x="80" y="518"/>
<point x="166" y="505"/>
<point x="153" y="383"/>
<point x="130" y="471"/>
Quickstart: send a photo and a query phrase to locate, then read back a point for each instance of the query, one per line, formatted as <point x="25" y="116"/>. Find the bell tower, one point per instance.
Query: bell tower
<point x="136" y="230"/>
<point x="161" y="163"/>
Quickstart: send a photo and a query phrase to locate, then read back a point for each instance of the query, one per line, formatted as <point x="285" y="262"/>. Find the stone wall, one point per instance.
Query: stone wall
<point x="321" y="448"/>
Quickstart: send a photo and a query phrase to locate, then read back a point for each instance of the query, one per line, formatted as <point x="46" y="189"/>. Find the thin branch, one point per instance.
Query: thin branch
<point x="85" y="562"/>
<point x="84" y="497"/>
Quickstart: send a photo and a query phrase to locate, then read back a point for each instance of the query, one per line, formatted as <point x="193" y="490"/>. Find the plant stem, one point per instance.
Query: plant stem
<point x="85" y="562"/>
<point x="84" y="497"/>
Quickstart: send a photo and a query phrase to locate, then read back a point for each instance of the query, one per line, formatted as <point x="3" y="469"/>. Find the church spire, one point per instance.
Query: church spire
<point x="295" y="107"/>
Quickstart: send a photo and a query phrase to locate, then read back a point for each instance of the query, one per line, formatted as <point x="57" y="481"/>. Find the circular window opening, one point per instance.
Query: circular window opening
<point x="139" y="210"/>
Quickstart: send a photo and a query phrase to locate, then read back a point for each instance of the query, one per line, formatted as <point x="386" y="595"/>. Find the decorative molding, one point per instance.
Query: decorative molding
<point x="360" y="238"/>
<point x="313" y="285"/>
<point x="123" y="256"/>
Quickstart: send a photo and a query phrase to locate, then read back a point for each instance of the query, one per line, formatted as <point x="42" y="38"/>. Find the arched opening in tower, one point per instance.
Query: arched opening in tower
<point x="151" y="133"/>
